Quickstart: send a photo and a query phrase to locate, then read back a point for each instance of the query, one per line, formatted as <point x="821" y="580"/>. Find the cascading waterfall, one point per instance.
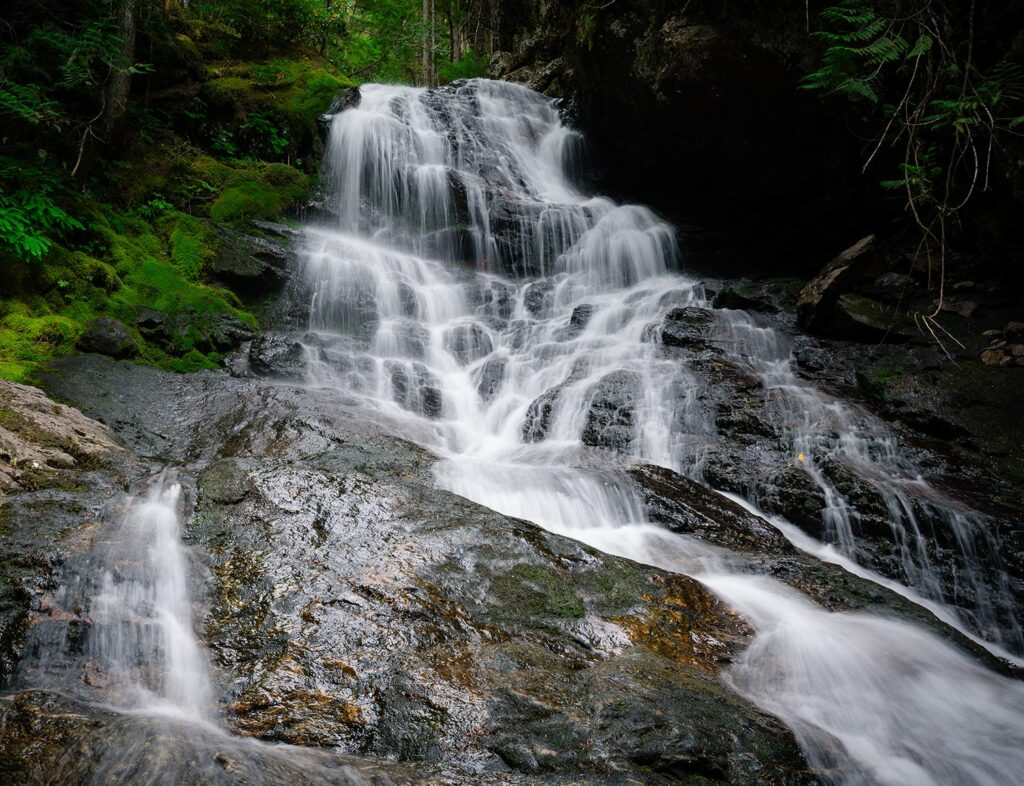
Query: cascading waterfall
<point x="476" y="300"/>
<point x="141" y="632"/>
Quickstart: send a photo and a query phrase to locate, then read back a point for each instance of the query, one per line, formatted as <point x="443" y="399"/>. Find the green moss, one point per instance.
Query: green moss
<point x="530" y="592"/>
<point x="231" y="91"/>
<point x="193" y="360"/>
<point x="887" y="375"/>
<point x="192" y="244"/>
<point x="263" y="193"/>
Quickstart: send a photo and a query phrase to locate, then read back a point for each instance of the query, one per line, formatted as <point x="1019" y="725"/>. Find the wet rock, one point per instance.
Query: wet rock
<point x="51" y="736"/>
<point x="816" y="302"/>
<point x="688" y="327"/>
<point x="354" y="606"/>
<point x="348" y="97"/>
<point x="415" y="389"/>
<point x="468" y="343"/>
<point x="491" y="377"/>
<point x="536" y="297"/>
<point x="495" y="301"/>
<point x="611" y="417"/>
<point x="539" y="414"/>
<point x="216" y="331"/>
<point x="40" y="438"/>
<point x="276" y="355"/>
<point x="249" y="265"/>
<point x="58" y="468"/>
<point x="108" y="337"/>
<point x="431" y="628"/>
<point x="687" y="507"/>
<point x="581" y="317"/>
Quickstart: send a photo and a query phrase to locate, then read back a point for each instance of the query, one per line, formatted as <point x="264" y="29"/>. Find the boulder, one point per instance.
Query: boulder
<point x="107" y="336"/>
<point x="611" y="418"/>
<point x="816" y="303"/>
<point x="349" y="97"/>
<point x="249" y="265"/>
<point x="859" y="318"/>
<point x="688" y="328"/>
<point x="355" y="608"/>
<point x="274" y="355"/>
<point x="216" y="331"/>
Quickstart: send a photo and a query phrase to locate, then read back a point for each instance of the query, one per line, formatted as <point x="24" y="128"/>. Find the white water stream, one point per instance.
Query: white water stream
<point x="471" y="296"/>
<point x="141" y="634"/>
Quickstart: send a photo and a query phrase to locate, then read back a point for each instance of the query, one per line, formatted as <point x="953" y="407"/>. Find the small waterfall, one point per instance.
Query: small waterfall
<point x="834" y="436"/>
<point x="474" y="299"/>
<point x="141" y="635"/>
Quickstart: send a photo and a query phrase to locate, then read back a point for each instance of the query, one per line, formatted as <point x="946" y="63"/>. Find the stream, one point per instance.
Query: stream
<point x="467" y="294"/>
<point x="507" y="374"/>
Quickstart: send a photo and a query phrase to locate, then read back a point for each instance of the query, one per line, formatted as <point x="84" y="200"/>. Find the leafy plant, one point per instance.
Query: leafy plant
<point x="916" y="67"/>
<point x="267" y="136"/>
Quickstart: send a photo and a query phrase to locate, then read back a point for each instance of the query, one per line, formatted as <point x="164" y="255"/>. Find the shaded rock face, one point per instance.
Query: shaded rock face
<point x="611" y="419"/>
<point x="351" y="605"/>
<point x="695" y="107"/>
<point x="213" y="332"/>
<point x="249" y="265"/>
<point x="108" y="337"/>
<point x="276" y="355"/>
<point x="830" y="304"/>
<point x="58" y="469"/>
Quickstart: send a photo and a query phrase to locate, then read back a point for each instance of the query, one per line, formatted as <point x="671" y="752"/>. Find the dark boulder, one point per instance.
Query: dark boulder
<point x="347" y="98"/>
<point x="539" y="415"/>
<point x="107" y="336"/>
<point x="611" y="417"/>
<point x="688" y="328"/>
<point x="216" y="331"/>
<point x="249" y="265"/>
<point x="490" y="377"/>
<point x="687" y="507"/>
<point x="274" y="355"/>
<point x="816" y="304"/>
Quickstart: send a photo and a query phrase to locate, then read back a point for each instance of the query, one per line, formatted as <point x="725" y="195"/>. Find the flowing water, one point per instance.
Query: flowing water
<point x="137" y="661"/>
<point x="475" y="299"/>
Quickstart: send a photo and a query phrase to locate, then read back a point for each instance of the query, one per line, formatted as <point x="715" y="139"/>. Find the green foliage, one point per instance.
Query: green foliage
<point x="272" y="25"/>
<point x="470" y="66"/>
<point x="30" y="218"/>
<point x="191" y="246"/>
<point x="917" y="66"/>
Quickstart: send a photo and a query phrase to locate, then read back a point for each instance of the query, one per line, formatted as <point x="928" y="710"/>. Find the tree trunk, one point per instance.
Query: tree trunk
<point x="426" y="43"/>
<point x="433" y="48"/>
<point x="120" y="81"/>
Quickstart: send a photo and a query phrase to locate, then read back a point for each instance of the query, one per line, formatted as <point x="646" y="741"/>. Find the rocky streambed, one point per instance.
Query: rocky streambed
<point x="350" y="606"/>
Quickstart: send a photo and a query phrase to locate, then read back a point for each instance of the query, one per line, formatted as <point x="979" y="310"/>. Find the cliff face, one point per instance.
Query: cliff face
<point x="695" y="107"/>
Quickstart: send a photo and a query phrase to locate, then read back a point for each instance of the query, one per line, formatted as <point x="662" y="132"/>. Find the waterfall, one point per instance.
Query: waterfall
<point x="475" y="299"/>
<point x="141" y="634"/>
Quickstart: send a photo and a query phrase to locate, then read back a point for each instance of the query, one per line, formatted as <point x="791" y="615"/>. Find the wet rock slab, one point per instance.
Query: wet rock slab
<point x="352" y="606"/>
